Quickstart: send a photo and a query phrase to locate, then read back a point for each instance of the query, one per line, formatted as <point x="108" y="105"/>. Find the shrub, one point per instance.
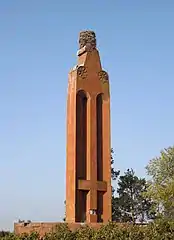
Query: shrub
<point x="159" y="230"/>
<point x="4" y="233"/>
<point x="84" y="233"/>
<point x="61" y="231"/>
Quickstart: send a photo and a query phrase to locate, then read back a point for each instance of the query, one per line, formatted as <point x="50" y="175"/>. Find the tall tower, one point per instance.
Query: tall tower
<point x="88" y="166"/>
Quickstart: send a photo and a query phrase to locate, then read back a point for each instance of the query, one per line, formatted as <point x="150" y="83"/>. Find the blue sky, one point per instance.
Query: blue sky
<point x="38" y="45"/>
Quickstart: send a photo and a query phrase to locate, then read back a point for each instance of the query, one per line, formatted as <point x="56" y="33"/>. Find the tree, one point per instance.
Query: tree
<point x="114" y="173"/>
<point x="161" y="185"/>
<point x="131" y="205"/>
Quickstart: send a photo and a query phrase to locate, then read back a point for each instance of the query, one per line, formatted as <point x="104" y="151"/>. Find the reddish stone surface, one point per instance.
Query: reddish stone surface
<point x="88" y="166"/>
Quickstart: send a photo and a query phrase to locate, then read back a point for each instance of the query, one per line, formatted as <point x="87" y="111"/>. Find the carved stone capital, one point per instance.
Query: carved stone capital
<point x="103" y="76"/>
<point x="82" y="72"/>
<point x="87" y="38"/>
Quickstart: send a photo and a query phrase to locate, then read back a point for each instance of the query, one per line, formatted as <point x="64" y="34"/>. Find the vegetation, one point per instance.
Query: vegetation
<point x="131" y="204"/>
<point x="159" y="230"/>
<point x="134" y="200"/>
<point x="4" y="234"/>
<point x="161" y="185"/>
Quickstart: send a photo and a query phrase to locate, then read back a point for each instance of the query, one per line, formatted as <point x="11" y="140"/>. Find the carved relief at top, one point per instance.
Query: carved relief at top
<point x="87" y="39"/>
<point x="103" y="76"/>
<point x="82" y="72"/>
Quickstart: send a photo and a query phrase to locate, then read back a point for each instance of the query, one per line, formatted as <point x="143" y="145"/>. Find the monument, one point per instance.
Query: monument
<point x="88" y="165"/>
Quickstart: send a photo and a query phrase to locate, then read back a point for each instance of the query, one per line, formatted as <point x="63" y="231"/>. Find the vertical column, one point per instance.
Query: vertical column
<point x="107" y="208"/>
<point x="71" y="150"/>
<point x="88" y="139"/>
<point x="92" y="161"/>
<point x="100" y="166"/>
<point x="99" y="120"/>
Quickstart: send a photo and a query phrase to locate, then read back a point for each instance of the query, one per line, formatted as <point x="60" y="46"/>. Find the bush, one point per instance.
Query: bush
<point x="160" y="230"/>
<point x="4" y="233"/>
<point x="84" y="233"/>
<point x="61" y="231"/>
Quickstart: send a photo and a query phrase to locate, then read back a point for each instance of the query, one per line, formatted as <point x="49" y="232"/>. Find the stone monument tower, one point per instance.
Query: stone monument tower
<point x="88" y="166"/>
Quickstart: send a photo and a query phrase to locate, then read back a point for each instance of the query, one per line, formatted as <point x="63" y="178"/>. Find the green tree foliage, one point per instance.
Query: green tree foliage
<point x="114" y="173"/>
<point x="4" y="234"/>
<point x="131" y="205"/>
<point x="161" y="185"/>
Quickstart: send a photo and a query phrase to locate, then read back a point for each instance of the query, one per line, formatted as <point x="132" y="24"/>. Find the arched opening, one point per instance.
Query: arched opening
<point x="99" y="120"/>
<point x="81" y="134"/>
<point x="81" y="153"/>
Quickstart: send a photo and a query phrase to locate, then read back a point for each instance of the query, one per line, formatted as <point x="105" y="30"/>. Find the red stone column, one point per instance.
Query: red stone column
<point x="88" y="77"/>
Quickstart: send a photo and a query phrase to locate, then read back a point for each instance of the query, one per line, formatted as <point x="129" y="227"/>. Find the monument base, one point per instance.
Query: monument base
<point x="45" y="227"/>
